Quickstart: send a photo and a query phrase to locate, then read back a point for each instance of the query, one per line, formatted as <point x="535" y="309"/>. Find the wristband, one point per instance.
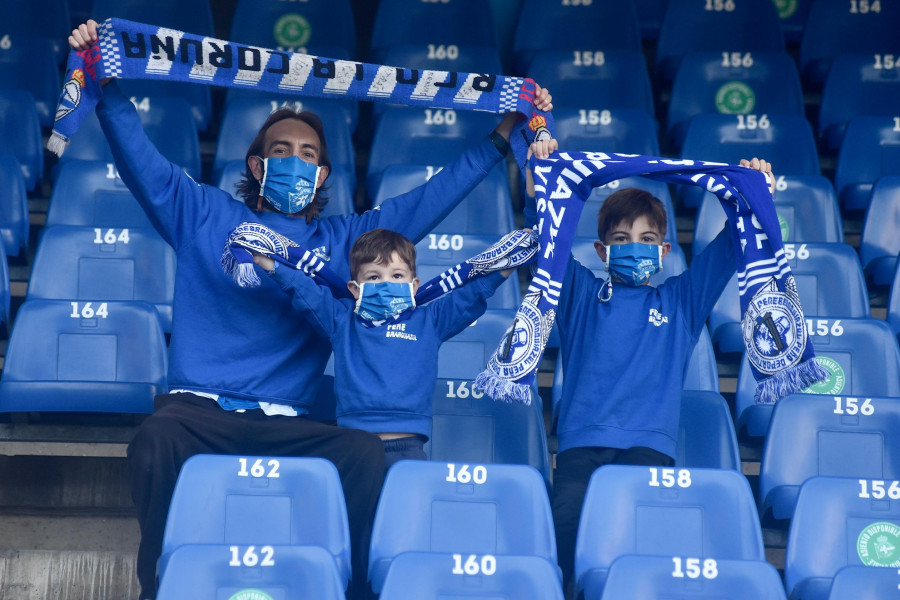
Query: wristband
<point x="499" y="142"/>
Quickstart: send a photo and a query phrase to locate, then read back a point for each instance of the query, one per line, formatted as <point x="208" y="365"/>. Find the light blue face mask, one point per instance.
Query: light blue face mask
<point x="288" y="184"/>
<point x="383" y="299"/>
<point x="633" y="264"/>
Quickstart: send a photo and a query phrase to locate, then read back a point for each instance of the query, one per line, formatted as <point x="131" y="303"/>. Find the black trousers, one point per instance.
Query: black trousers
<point x="573" y="471"/>
<point x="183" y="425"/>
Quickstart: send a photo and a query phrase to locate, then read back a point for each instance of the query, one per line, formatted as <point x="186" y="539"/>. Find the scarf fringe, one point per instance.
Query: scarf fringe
<point x="790" y="381"/>
<point x="504" y="390"/>
<point x="241" y="269"/>
<point x="57" y="143"/>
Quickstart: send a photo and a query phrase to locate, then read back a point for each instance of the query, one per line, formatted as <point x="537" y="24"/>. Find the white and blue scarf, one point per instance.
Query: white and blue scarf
<point x="136" y="51"/>
<point x="774" y="328"/>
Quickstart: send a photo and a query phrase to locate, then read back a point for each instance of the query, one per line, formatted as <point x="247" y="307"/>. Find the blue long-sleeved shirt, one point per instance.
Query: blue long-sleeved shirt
<point x="250" y="344"/>
<point x="624" y="360"/>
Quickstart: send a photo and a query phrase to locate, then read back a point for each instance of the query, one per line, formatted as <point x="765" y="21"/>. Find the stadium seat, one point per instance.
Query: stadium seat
<point x="806" y="206"/>
<point x="244" y="116"/>
<point x="863" y="583"/>
<point x="20" y="134"/>
<point x="628" y="131"/>
<point x="650" y="14"/>
<point x="465" y="355"/>
<point x="250" y="572"/>
<point x="90" y="193"/>
<point x="857" y="85"/>
<point x="706" y="436"/>
<point x="447" y="508"/>
<point x="84" y="357"/>
<point x="426" y="576"/>
<point x="793" y="19"/>
<point x="879" y="244"/>
<point x="487" y="210"/>
<point x="587" y="223"/>
<point x="168" y="122"/>
<point x="833" y="528"/>
<point x="584" y="26"/>
<point x="861" y="356"/>
<point x="666" y="512"/>
<point x="633" y="576"/>
<point x="191" y="16"/>
<point x="460" y="22"/>
<point x="784" y="140"/>
<point x="103" y="264"/>
<point x="14" y="222"/>
<point x="321" y="106"/>
<point x="583" y="250"/>
<point x="4" y="291"/>
<point x="821" y="293"/>
<point x="613" y="79"/>
<point x="893" y="307"/>
<point x="293" y="502"/>
<point x="506" y="16"/>
<point x="735" y="27"/>
<point x="871" y="149"/>
<point x="29" y="63"/>
<point x="829" y="435"/>
<point x="423" y="136"/>
<point x="44" y="18"/>
<point x="717" y="82"/>
<point x="702" y="373"/>
<point x="309" y="27"/>
<point x="198" y="97"/>
<point x="835" y="27"/>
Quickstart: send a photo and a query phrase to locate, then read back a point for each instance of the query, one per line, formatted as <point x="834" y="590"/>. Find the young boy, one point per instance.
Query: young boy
<point x="385" y="347"/>
<point x="624" y="348"/>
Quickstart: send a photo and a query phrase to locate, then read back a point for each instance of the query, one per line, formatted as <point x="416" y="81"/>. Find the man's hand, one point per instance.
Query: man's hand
<point x="542" y="100"/>
<point x="759" y="164"/>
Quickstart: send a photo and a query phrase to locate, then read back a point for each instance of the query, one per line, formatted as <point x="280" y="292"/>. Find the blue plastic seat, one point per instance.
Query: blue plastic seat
<point x="832" y="514"/>
<point x="829" y="435"/>
<point x="793" y="19"/>
<point x="645" y="510"/>
<point x="587" y="223"/>
<point x="506" y="16"/>
<point x="426" y="576"/>
<point x="433" y="137"/>
<point x="308" y="27"/>
<point x="863" y="583"/>
<point x="258" y="500"/>
<point x="689" y="26"/>
<point x="191" y="16"/>
<point x="461" y="22"/>
<point x="635" y="576"/>
<point x="84" y="357"/>
<point x="706" y="436"/>
<point x="198" y="97"/>
<point x="14" y="222"/>
<point x="702" y="373"/>
<point x="103" y="264"/>
<point x="862" y="361"/>
<point x="583" y="26"/>
<point x="5" y="293"/>
<point x="487" y="210"/>
<point x="168" y="122"/>
<point x="447" y="508"/>
<point x="20" y="134"/>
<point x="243" y="118"/>
<point x="806" y="206"/>
<point x="857" y="84"/>
<point x="650" y="14"/>
<point x="835" y="27"/>
<point x="893" y="307"/>
<point x="465" y="355"/>
<point x="871" y="149"/>
<point x="29" y="63"/>
<point x="879" y="245"/>
<point x="324" y="107"/>
<point x="44" y="18"/>
<point x="213" y="571"/>
<point x="822" y="293"/>
<point x="708" y="82"/>
<point x="612" y="79"/>
<point x="628" y="131"/>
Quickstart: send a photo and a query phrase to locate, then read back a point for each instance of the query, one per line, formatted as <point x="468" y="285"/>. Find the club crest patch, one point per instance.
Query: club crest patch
<point x="878" y="545"/>
<point x="516" y="356"/>
<point x="773" y="327"/>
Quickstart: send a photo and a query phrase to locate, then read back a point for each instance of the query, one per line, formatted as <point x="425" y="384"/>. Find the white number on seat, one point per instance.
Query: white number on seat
<point x="477" y="475"/>
<point x="257" y="469"/>
<point x="588" y="58"/>
<point x="692" y="569"/>
<point x="251" y="558"/>
<point x="851" y="406"/>
<point x="792" y="251"/>
<point x="878" y="489"/>
<point x="472" y="566"/>
<point x="461" y="389"/>
<point x="85" y="310"/>
<point x="443" y="52"/>
<point x="444" y="242"/>
<point x="753" y="122"/>
<point x="440" y="116"/>
<point x="594" y="117"/>
<point x="669" y="477"/>
<point x="824" y="327"/>
<point x="737" y="59"/>
<point x="110" y="236"/>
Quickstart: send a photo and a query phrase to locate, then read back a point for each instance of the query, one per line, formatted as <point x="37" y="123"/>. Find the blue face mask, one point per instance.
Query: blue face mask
<point x="634" y="263"/>
<point x="289" y="184"/>
<point x="384" y="299"/>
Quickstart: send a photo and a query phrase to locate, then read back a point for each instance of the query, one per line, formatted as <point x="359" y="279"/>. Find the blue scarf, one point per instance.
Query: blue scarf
<point x="136" y="51"/>
<point x="774" y="328"/>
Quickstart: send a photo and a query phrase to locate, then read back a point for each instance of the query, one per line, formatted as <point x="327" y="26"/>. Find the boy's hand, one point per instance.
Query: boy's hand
<point x="84" y="37"/>
<point x="759" y="164"/>
<point x="542" y="100"/>
<point x="263" y="261"/>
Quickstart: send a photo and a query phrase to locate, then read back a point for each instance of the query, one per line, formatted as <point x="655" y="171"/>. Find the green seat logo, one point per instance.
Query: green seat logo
<point x="834" y="383"/>
<point x="292" y="30"/>
<point x="785" y="228"/>
<point x="878" y="545"/>
<point x="786" y="8"/>
<point x="735" y="98"/>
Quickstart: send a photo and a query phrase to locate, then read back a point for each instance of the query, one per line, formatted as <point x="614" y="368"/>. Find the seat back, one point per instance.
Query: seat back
<point x="465" y="355"/>
<point x="870" y="150"/>
<point x="706" y="436"/>
<point x="587" y="223"/>
<point x="191" y="16"/>
<point x="198" y="97"/>
<point x="863" y="583"/>
<point x="837" y="436"/>
<point x="84" y="357"/>
<point x="628" y="131"/>
<point x="14" y="221"/>
<point x="447" y="508"/>
<point x="258" y="500"/>
<point x="307" y="27"/>
<point x="49" y="19"/>
<point x="20" y="134"/>
<point x="29" y="63"/>
<point x="879" y="244"/>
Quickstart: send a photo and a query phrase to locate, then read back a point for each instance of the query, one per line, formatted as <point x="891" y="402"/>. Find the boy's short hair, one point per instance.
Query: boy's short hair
<point x="376" y="246"/>
<point x="626" y="206"/>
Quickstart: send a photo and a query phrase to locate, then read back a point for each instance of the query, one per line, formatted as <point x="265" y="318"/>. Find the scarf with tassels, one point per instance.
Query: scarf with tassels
<point x="774" y="329"/>
<point x="136" y="51"/>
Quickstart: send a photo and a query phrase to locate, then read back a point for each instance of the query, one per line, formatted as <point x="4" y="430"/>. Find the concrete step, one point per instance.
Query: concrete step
<point x="67" y="575"/>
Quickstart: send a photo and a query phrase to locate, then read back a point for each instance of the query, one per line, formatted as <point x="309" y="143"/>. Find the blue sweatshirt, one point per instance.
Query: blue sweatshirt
<point x="384" y="376"/>
<point x="624" y="360"/>
<point x="245" y="343"/>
